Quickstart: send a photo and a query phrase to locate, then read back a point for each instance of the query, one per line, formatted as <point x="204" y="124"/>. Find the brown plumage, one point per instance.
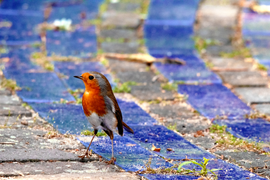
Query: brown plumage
<point x="100" y="106"/>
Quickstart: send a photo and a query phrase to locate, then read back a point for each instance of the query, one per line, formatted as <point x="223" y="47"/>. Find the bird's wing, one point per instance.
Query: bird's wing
<point x="112" y="105"/>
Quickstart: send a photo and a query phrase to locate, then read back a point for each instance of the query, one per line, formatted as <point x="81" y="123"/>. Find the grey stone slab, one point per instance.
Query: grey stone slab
<point x="171" y="111"/>
<point x="50" y="168"/>
<point x="139" y="77"/>
<point x="16" y="122"/>
<point x="216" y="50"/>
<point x="229" y="63"/>
<point x="151" y="92"/>
<point x="11" y="110"/>
<point x="13" y="100"/>
<point x="126" y="66"/>
<point x="24" y="155"/>
<point x="124" y="7"/>
<point x="120" y="19"/>
<point x="5" y="92"/>
<point x="118" y="33"/>
<point x="34" y="139"/>
<point x="116" y="47"/>
<point x="263" y="108"/>
<point x="191" y="125"/>
<point x="246" y="159"/>
<point x="209" y="14"/>
<point x="254" y="95"/>
<point x="202" y="141"/>
<point x="243" y="78"/>
<point x="81" y="176"/>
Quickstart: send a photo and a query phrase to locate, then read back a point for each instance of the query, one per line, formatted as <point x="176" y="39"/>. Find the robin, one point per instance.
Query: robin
<point x="101" y="107"/>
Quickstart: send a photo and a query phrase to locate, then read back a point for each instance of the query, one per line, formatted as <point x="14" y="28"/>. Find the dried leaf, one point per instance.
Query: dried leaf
<point x="154" y="148"/>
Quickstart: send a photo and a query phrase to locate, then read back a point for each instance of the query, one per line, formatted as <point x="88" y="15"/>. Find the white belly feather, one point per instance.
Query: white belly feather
<point x="109" y="120"/>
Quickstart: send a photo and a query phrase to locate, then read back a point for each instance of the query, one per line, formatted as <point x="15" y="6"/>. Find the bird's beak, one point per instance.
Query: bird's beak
<point x="79" y="77"/>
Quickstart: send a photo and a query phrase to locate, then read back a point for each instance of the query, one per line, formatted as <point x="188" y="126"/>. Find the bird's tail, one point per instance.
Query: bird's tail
<point x="127" y="128"/>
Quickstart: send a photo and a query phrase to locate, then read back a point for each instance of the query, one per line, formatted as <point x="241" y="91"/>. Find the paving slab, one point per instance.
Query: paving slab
<point x="171" y="110"/>
<point x="11" y="110"/>
<point x="4" y="92"/>
<point x="263" y="108"/>
<point x="247" y="159"/>
<point x="126" y="66"/>
<point x="244" y="78"/>
<point x="254" y="95"/>
<point x="118" y="33"/>
<point x="201" y="141"/>
<point x="128" y="19"/>
<point x="139" y="77"/>
<point x="124" y="6"/>
<point x="57" y="167"/>
<point x="24" y="155"/>
<point x="151" y="92"/>
<point x="28" y="138"/>
<point x="80" y="176"/>
<point x="230" y="64"/>
<point x="117" y="47"/>
<point x="17" y="122"/>
<point x="9" y="100"/>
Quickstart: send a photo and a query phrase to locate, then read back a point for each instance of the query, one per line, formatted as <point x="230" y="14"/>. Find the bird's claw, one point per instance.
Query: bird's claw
<point x="112" y="161"/>
<point x="87" y="155"/>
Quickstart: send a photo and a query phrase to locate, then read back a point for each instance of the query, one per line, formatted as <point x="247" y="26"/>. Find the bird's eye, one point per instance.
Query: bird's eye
<point x="91" y="77"/>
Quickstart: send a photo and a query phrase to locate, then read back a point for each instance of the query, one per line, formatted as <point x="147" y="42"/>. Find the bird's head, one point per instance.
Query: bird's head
<point x="94" y="80"/>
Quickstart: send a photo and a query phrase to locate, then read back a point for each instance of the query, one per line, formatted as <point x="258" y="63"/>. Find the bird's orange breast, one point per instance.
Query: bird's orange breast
<point x="93" y="102"/>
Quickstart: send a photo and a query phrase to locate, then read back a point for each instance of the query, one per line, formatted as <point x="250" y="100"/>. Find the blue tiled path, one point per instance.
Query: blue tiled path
<point x="43" y="90"/>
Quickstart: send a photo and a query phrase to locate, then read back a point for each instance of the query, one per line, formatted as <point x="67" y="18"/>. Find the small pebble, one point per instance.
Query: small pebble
<point x="24" y="122"/>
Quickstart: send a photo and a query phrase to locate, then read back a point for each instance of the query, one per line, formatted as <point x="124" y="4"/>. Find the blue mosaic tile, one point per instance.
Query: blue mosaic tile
<point x="35" y="87"/>
<point x="20" y="32"/>
<point x="22" y="5"/>
<point x="66" y="118"/>
<point x="227" y="170"/>
<point x="214" y="100"/>
<point x="129" y="155"/>
<point x="191" y="72"/>
<point x="134" y="114"/>
<point x="71" y="69"/>
<point x="167" y="176"/>
<point x="170" y="15"/>
<point x="169" y="37"/>
<point x="264" y="2"/>
<point x="80" y="43"/>
<point x="249" y="129"/>
<point x="19" y="61"/>
<point x="73" y="11"/>
<point x="255" y="24"/>
<point x="163" y="138"/>
<point x="257" y="41"/>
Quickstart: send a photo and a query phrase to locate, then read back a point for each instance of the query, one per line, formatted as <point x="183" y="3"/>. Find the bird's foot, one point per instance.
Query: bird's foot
<point x="112" y="161"/>
<point x="87" y="155"/>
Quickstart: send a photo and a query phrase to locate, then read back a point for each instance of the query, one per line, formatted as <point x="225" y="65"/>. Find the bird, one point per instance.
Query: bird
<point x="101" y="108"/>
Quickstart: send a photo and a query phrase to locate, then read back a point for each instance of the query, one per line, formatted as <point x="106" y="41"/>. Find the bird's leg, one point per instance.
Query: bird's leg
<point x="86" y="154"/>
<point x="113" y="159"/>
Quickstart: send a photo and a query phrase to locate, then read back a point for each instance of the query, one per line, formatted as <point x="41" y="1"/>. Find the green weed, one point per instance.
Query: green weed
<point x="239" y="53"/>
<point x="172" y="127"/>
<point x="169" y="86"/>
<point x="91" y="133"/>
<point x="10" y="85"/>
<point x="202" y="44"/>
<point x="203" y="172"/>
<point x="125" y="87"/>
